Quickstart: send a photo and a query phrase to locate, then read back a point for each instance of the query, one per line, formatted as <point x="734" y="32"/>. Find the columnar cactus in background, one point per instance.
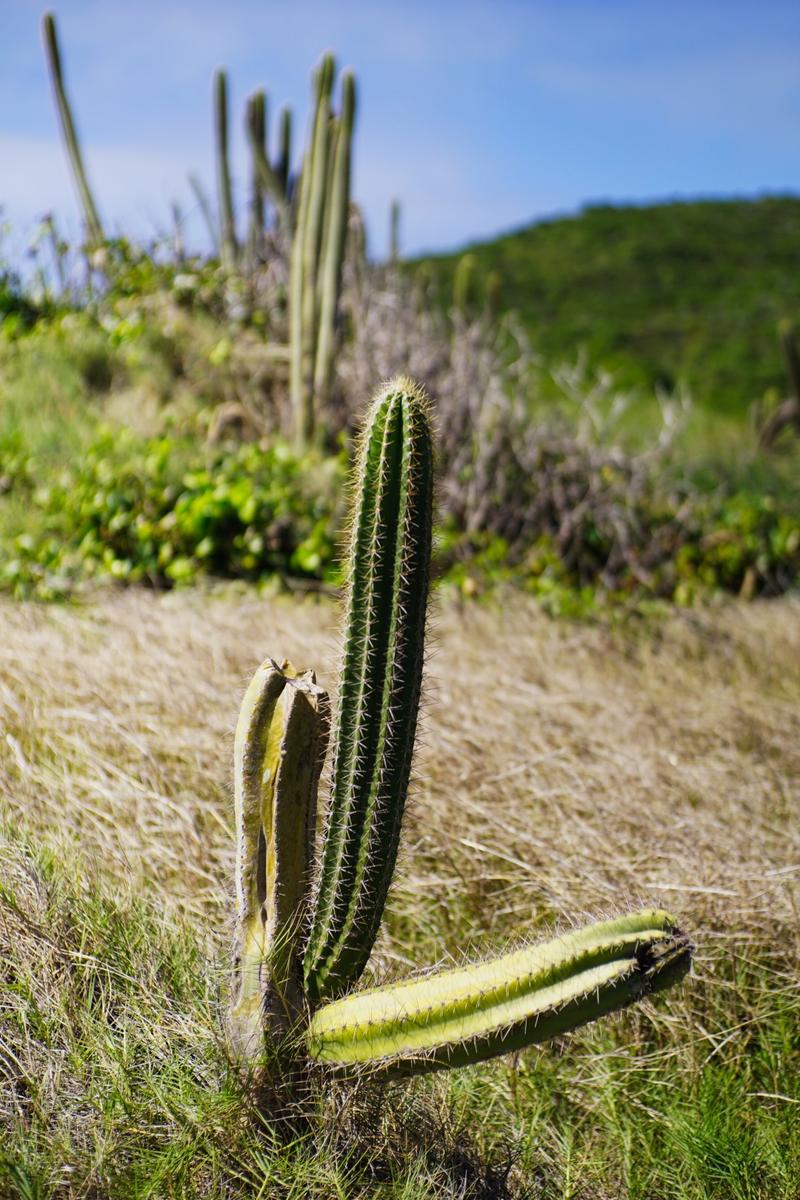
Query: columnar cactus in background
<point x="227" y="228"/>
<point x="91" y="218"/>
<point x="256" y="126"/>
<point x="394" y="232"/>
<point x="301" y="946"/>
<point x="318" y="249"/>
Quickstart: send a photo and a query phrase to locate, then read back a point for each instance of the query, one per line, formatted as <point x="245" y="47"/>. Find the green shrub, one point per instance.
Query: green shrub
<point x="159" y="513"/>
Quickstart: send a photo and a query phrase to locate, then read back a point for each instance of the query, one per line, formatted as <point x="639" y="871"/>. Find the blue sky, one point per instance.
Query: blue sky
<point x="479" y="116"/>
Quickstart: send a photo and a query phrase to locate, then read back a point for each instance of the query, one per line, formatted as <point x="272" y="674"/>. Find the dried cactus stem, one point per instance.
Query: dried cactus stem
<point x="91" y="218"/>
<point x="463" y="1016"/>
<point x="228" y="246"/>
<point x="280" y="743"/>
<point x="388" y="569"/>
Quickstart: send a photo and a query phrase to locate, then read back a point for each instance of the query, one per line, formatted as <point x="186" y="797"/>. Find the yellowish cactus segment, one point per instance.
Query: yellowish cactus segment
<point x="278" y="751"/>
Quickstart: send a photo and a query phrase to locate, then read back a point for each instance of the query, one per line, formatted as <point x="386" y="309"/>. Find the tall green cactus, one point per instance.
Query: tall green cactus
<point x="256" y="128"/>
<point x="335" y="234"/>
<point x="284" y="163"/>
<point x="446" y="1019"/>
<point x="227" y="228"/>
<point x="91" y="218"/>
<point x="388" y="568"/>
<point x="318" y="249"/>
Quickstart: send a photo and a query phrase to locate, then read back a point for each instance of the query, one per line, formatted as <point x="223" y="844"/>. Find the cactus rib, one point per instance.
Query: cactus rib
<point x="462" y="1016"/>
<point x="381" y="679"/>
<point x="280" y="742"/>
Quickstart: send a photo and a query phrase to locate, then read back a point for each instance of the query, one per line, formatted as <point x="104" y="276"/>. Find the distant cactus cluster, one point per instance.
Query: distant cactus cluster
<point x="308" y="917"/>
<point x="312" y="210"/>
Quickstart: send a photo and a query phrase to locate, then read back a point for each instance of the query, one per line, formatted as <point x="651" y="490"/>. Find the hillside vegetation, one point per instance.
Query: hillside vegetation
<point x="659" y="293"/>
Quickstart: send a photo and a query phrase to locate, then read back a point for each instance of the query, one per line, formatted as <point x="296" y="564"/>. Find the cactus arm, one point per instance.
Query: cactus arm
<point x="334" y="244"/>
<point x="380" y="687"/>
<point x="256" y="130"/>
<point x="312" y="238"/>
<point x="227" y="226"/>
<point x="463" y="1016"/>
<point x="91" y="218"/>
<point x="304" y="257"/>
<point x="278" y="750"/>
<point x="269" y="179"/>
<point x="394" y="232"/>
<point x="283" y="165"/>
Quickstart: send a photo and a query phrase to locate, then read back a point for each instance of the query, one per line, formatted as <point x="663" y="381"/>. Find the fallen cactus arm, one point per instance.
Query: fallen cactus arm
<point x="280" y="744"/>
<point x="458" y="1017"/>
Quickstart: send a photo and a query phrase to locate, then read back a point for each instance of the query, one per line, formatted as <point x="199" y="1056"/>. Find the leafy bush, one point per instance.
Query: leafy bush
<point x="155" y="512"/>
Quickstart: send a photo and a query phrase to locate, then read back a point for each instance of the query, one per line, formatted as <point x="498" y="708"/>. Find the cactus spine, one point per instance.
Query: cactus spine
<point x="388" y="568"/>
<point x="458" y="1017"/>
<point x="228" y="247"/>
<point x="280" y="744"/>
<point x="91" y="218"/>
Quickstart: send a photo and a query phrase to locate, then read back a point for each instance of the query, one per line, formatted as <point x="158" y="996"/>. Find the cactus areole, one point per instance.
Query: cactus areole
<point x="307" y="916"/>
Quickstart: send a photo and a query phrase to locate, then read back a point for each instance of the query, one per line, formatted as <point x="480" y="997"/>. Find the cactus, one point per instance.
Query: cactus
<point x="256" y="127"/>
<point x="388" y="568"/>
<point x="317" y="252"/>
<point x="284" y="163"/>
<point x="335" y="234"/>
<point x="227" y="229"/>
<point x="463" y="1016"/>
<point x="91" y="219"/>
<point x="265" y="175"/>
<point x="279" y="748"/>
<point x="394" y="232"/>
<point x="446" y="1019"/>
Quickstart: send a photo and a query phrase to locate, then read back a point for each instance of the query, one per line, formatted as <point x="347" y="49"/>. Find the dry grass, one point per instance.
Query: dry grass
<point x="575" y="767"/>
<point x="565" y="771"/>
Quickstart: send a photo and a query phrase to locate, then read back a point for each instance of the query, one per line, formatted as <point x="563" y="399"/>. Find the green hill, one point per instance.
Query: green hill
<point x="659" y="293"/>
